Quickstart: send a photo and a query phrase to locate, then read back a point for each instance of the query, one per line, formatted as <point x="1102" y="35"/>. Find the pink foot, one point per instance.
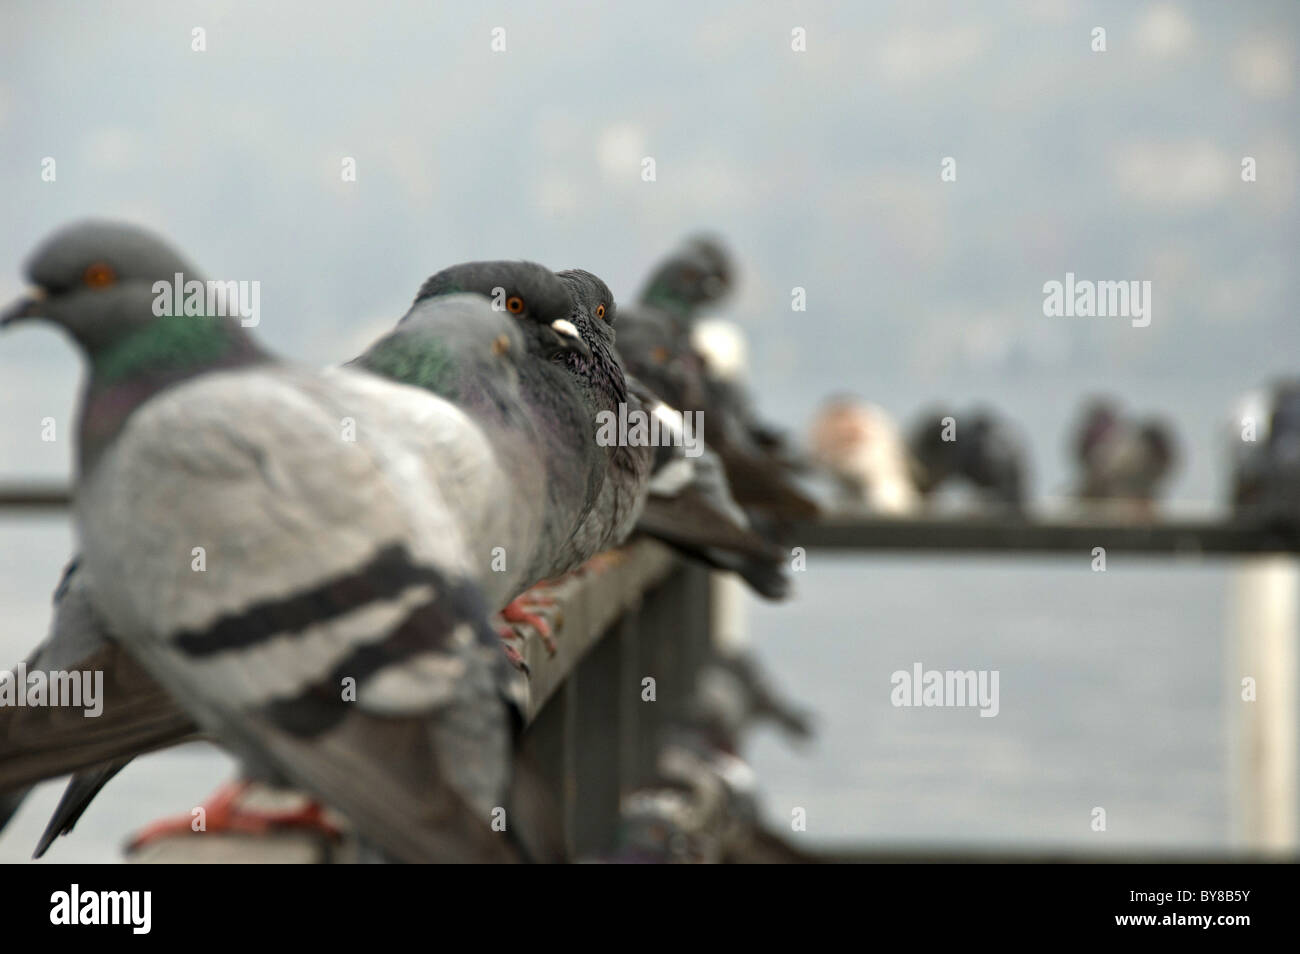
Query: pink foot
<point x="223" y="814"/>
<point x="516" y="612"/>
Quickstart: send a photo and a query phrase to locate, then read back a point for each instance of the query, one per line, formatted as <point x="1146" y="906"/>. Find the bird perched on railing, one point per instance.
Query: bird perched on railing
<point x="533" y="407"/>
<point x="1265" y="439"/>
<point x="861" y="448"/>
<point x="702" y="804"/>
<point x="1123" y="463"/>
<point x="655" y="340"/>
<point x="340" y="564"/>
<point x="980" y="449"/>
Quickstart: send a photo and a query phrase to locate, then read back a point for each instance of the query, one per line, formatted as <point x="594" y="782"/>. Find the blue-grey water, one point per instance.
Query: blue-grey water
<point x="1111" y="695"/>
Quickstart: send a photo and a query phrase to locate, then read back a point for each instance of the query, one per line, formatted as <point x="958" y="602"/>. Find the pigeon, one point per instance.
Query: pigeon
<point x="541" y="426"/>
<point x="656" y="341"/>
<point x="602" y="382"/>
<point x="695" y="276"/>
<point x="43" y="742"/>
<point x="980" y="449"/>
<point x="328" y="563"/>
<point x="1264" y="436"/>
<point x="1124" y="463"/>
<point x="690" y="508"/>
<point x="861" y="448"/>
<point x="662" y="360"/>
<point x="702" y="803"/>
<point x="449" y="343"/>
<point x="698" y="275"/>
<point x="681" y="500"/>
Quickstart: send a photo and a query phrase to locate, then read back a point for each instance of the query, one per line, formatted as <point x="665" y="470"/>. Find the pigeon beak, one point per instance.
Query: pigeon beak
<point x="567" y="338"/>
<point x="26" y="307"/>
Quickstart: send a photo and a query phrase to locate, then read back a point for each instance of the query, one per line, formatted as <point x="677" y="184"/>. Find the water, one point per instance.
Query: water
<point x="1111" y="695"/>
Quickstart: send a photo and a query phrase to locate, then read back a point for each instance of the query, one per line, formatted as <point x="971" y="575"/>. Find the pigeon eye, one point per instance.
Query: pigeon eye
<point x="514" y="304"/>
<point x="600" y="311"/>
<point x="98" y="275"/>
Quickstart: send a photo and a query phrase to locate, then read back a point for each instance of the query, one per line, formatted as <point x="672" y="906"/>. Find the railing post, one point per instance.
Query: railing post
<point x="547" y="747"/>
<point x="631" y="724"/>
<point x="696" y="620"/>
<point x="1266" y="614"/>
<point x="727" y="613"/>
<point x="596" y="747"/>
<point x="662" y="656"/>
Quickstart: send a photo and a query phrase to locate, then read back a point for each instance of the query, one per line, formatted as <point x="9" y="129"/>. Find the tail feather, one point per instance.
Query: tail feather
<point x="37" y="743"/>
<point x="81" y="791"/>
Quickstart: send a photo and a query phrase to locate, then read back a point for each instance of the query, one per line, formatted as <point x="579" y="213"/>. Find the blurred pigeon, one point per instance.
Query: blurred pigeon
<point x="450" y="345"/>
<point x="698" y="274"/>
<point x="453" y="344"/>
<point x="984" y="452"/>
<point x="690" y="507"/>
<point x="1124" y="463"/>
<point x="335" y="563"/>
<point x="659" y="355"/>
<point x="1265" y="436"/>
<point x="701" y="806"/>
<point x="861" y="448"/>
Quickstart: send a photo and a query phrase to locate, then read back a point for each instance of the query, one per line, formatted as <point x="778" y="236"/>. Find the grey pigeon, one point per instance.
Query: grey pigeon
<point x="655" y="342"/>
<point x="449" y="343"/>
<point x="331" y="563"/>
<point x="986" y="454"/>
<point x="660" y="491"/>
<point x="1266" y="457"/>
<point x="602" y="384"/>
<point x="453" y="344"/>
<point x="1124" y="463"/>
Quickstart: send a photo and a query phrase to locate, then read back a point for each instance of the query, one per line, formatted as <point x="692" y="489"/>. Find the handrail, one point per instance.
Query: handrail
<point x="640" y="613"/>
<point x="1012" y="534"/>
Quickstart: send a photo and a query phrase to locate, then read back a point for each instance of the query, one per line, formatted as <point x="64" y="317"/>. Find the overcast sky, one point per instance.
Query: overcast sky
<point x="822" y="168"/>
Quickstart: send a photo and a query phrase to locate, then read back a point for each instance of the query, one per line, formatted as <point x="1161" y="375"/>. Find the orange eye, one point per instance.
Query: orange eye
<point x="98" y="275"/>
<point x="514" y="304"/>
<point x="600" y="311"/>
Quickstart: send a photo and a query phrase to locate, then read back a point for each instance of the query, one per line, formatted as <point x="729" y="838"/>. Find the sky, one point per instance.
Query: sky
<point x="820" y="167"/>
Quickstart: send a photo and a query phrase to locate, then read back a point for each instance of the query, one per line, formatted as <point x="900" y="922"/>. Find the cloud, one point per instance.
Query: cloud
<point x="112" y="148"/>
<point x="1174" y="173"/>
<point x="619" y="151"/>
<point x="1262" y="67"/>
<point x="912" y="55"/>
<point x="1165" y="32"/>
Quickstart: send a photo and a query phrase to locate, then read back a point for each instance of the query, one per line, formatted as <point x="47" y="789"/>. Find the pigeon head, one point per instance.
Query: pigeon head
<point x="593" y="316"/>
<point x="698" y="274"/>
<point x="95" y="280"/>
<point x="530" y="292"/>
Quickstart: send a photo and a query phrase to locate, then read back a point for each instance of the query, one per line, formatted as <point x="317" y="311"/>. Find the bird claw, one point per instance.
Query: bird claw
<point x="516" y="611"/>
<point x="223" y="814"/>
<point x="516" y="658"/>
